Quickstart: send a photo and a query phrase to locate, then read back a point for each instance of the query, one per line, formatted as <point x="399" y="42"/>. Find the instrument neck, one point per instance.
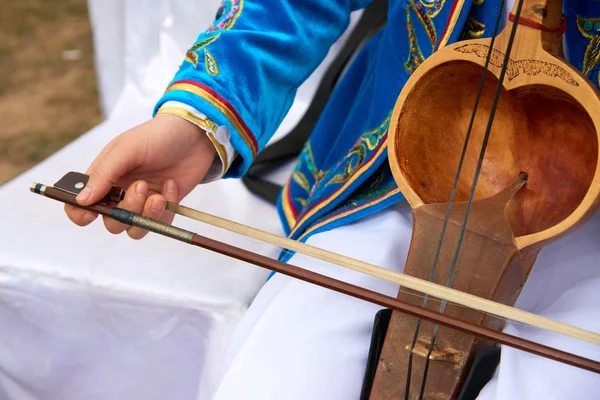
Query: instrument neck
<point x="544" y="19"/>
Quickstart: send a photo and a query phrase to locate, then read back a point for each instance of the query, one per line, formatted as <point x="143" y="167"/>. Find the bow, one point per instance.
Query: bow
<point x="485" y="188"/>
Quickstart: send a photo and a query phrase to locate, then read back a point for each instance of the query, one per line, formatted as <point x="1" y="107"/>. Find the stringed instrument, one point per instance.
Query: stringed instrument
<point x="502" y="160"/>
<point x="469" y="121"/>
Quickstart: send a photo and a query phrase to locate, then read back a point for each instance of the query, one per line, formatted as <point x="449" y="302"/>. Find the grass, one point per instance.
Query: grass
<point x="45" y="101"/>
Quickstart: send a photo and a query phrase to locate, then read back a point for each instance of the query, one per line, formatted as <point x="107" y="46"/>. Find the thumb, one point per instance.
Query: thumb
<point x="105" y="171"/>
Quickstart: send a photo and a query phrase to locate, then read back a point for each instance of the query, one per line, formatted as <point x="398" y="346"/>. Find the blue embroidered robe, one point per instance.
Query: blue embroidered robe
<point x="243" y="72"/>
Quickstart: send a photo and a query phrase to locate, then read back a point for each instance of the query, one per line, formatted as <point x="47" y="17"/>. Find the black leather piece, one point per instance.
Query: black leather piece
<point x="484" y="365"/>
<point x="483" y="369"/>
<point x="380" y="326"/>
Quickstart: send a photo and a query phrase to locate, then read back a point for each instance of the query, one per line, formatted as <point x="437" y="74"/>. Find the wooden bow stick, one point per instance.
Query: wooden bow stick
<point x="69" y="186"/>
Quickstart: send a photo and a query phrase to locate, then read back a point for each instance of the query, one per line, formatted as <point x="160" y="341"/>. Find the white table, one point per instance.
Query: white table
<point x="85" y="314"/>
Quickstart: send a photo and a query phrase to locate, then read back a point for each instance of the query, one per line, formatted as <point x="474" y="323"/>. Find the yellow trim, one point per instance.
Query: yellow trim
<point x="222" y="152"/>
<point x="219" y="106"/>
<point x="451" y="24"/>
<point x="354" y="177"/>
<point x="236" y="16"/>
<point x="348" y="212"/>
<point x="430" y="6"/>
<point x="204" y="123"/>
<point x="424" y="23"/>
<point x="210" y="63"/>
<point x="287" y="208"/>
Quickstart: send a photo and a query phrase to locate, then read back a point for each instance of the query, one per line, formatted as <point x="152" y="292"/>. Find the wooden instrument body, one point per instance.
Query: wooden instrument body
<point x="547" y="124"/>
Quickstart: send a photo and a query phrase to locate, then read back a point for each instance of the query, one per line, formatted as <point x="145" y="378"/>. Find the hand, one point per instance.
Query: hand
<point x="161" y="160"/>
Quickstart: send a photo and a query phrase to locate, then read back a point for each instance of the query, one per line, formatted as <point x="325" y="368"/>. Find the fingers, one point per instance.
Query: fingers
<point x="171" y="193"/>
<point x="113" y="162"/>
<point x="134" y="201"/>
<point x="80" y="216"/>
<point x="155" y="208"/>
<point x="98" y="186"/>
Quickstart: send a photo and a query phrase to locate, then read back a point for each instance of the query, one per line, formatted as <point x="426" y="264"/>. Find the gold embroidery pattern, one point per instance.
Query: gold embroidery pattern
<point x="192" y="55"/>
<point x="325" y="202"/>
<point x="425" y="10"/>
<point x="301" y="201"/>
<point x="306" y="159"/>
<point x="373" y="140"/>
<point x="514" y="68"/>
<point x="590" y="29"/>
<point x="458" y="6"/>
<point x="210" y="63"/>
<point x="370" y="191"/>
<point x="301" y="180"/>
<point x="227" y="15"/>
<point x="415" y="57"/>
<point x="357" y="155"/>
<point x="376" y="198"/>
<point x="473" y="29"/>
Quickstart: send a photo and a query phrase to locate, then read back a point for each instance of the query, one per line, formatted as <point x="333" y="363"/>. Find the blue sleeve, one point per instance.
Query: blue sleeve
<point x="243" y="72"/>
<point x="583" y="37"/>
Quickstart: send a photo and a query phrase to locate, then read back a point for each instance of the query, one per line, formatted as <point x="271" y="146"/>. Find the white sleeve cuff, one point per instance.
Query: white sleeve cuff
<point x="218" y="135"/>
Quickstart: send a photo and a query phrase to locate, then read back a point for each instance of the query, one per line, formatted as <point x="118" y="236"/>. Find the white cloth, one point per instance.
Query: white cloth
<point x="299" y="341"/>
<point x="86" y="315"/>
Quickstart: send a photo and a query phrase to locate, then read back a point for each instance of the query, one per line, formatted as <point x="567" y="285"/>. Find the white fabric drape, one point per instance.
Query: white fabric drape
<point x="87" y="315"/>
<point x="298" y="341"/>
<point x="84" y="314"/>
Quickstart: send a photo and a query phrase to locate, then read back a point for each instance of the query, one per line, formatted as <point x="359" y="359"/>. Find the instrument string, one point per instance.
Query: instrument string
<point x="194" y="239"/>
<point x="465" y="299"/>
<point x="474" y="183"/>
<point x="334" y="270"/>
<point x="453" y="192"/>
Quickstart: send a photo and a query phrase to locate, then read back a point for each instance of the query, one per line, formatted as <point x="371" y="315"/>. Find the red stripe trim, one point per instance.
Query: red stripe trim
<point x="226" y="104"/>
<point x="336" y="192"/>
<point x="349" y="211"/>
<point x="291" y="203"/>
<point x="437" y="46"/>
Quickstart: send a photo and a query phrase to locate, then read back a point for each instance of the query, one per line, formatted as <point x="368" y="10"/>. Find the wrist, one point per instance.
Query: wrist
<point x="181" y="126"/>
<point x="221" y="148"/>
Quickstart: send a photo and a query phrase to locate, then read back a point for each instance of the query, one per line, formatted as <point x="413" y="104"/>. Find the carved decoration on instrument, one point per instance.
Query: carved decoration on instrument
<point x="514" y="68"/>
<point x="475" y="231"/>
